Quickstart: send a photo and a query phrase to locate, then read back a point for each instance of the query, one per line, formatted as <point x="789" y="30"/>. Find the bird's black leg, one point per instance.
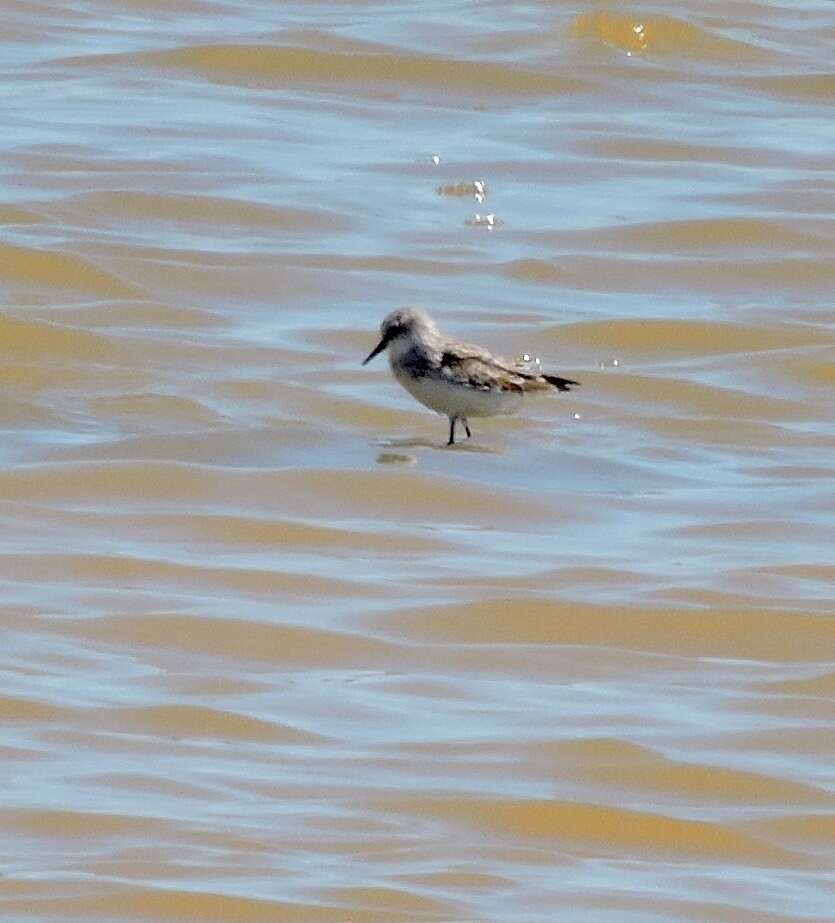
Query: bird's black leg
<point x="466" y="427"/>
<point x="451" y="431"/>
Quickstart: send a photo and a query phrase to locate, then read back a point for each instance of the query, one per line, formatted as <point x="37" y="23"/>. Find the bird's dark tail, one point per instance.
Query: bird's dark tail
<point x="561" y="384"/>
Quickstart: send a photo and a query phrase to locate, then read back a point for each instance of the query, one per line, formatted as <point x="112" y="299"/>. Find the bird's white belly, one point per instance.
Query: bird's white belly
<point x="458" y="400"/>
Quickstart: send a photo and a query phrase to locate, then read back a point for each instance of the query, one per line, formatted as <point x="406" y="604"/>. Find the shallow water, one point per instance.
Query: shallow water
<point x="271" y="650"/>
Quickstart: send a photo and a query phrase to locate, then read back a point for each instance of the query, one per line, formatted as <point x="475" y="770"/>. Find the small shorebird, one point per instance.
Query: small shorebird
<point x="454" y="378"/>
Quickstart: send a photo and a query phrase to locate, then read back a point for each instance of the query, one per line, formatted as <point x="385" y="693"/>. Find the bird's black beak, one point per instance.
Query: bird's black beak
<point x="377" y="349"/>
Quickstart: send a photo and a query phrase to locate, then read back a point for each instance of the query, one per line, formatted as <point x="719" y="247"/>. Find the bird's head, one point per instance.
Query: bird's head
<point x="404" y="322"/>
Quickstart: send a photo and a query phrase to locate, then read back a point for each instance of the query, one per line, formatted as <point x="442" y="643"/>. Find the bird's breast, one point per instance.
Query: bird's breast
<point x="454" y="398"/>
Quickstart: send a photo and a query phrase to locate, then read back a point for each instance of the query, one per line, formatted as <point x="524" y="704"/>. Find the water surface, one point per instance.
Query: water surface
<point x="271" y="650"/>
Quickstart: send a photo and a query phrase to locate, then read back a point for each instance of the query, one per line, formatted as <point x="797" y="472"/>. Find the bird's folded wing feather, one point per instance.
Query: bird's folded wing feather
<point x="476" y="368"/>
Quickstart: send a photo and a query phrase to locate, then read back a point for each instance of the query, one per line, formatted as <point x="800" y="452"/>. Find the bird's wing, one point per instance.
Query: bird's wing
<point x="469" y="365"/>
<point x="479" y="369"/>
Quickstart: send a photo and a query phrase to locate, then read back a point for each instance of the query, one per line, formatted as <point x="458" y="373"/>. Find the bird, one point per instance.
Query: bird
<point x="453" y="378"/>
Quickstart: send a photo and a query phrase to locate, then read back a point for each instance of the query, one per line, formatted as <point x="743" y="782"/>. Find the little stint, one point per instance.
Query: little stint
<point x="452" y="378"/>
